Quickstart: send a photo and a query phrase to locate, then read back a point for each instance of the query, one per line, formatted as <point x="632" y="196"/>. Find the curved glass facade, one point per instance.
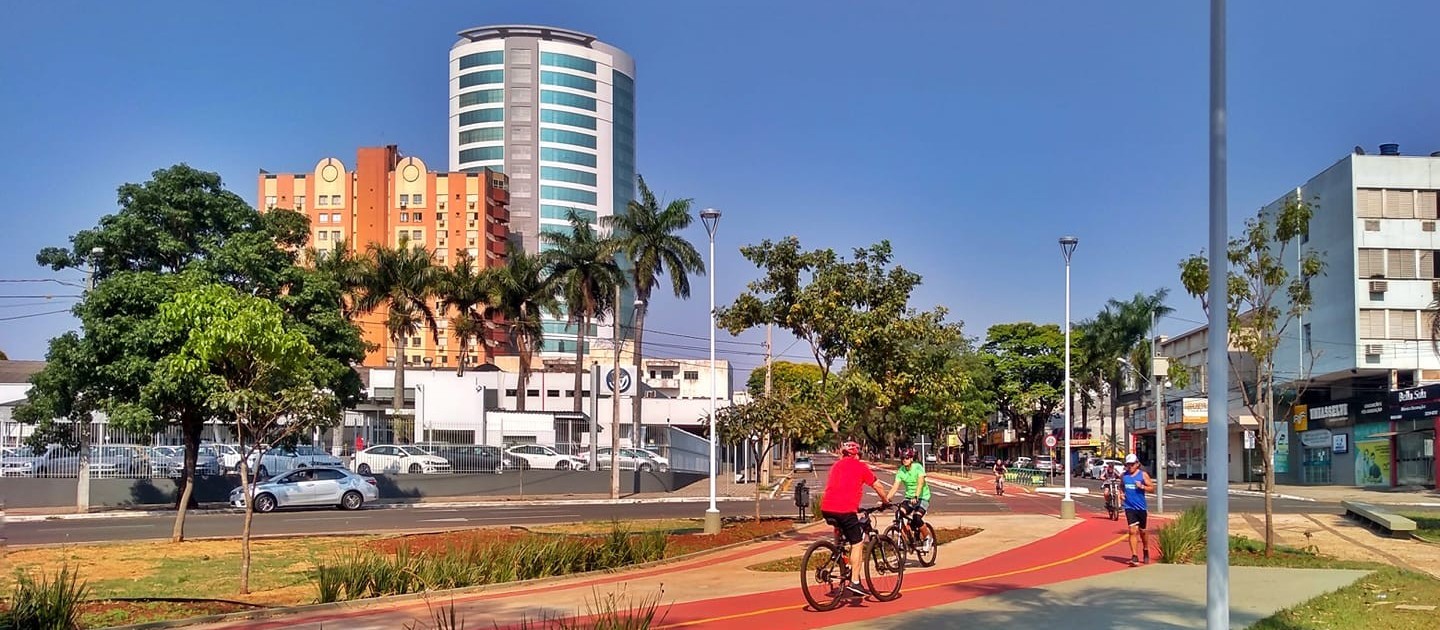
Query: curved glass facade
<point x="484" y="77"/>
<point x="552" y="97"/>
<point x="564" y="79"/>
<point x="567" y="137"/>
<point x="490" y="58"/>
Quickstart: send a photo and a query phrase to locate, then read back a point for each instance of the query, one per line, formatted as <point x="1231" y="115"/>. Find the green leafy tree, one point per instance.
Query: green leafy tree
<point x="1121" y="330"/>
<point x="648" y="236"/>
<point x="246" y="361"/>
<point x="402" y="280"/>
<point x="471" y="294"/>
<point x="834" y="304"/>
<point x="1268" y="290"/>
<point x="526" y="293"/>
<point x="584" y="268"/>
<point x="761" y="424"/>
<point x="797" y="384"/>
<point x="1028" y="361"/>
<point x="173" y="233"/>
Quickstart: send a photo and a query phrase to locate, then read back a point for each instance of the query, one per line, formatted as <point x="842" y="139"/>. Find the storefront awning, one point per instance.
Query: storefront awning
<point x="1247" y="421"/>
<point x="1386" y="434"/>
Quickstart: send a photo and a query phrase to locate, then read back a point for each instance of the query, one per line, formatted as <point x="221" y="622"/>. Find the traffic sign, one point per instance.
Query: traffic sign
<point x="1050" y="441"/>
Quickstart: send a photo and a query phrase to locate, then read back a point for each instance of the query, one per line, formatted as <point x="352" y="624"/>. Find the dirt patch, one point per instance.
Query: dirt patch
<point x="685" y="536"/>
<point x="105" y="613"/>
<point x="1338" y="537"/>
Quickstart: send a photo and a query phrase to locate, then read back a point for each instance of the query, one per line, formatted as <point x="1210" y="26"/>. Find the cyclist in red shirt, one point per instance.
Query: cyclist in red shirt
<point x="840" y="504"/>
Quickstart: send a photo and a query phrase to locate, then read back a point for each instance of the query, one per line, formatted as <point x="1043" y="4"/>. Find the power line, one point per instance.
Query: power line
<point x="36" y="297"/>
<point x="14" y="317"/>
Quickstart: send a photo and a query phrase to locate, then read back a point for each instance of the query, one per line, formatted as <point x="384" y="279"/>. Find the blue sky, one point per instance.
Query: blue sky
<point x="970" y="134"/>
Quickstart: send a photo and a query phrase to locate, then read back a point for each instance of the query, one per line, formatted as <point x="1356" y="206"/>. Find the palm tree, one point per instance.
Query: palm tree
<point x="584" y="267"/>
<point x="648" y="237"/>
<point x="524" y="292"/>
<point x="401" y="279"/>
<point x="472" y="294"/>
<point x="344" y="267"/>
<point x="1123" y="332"/>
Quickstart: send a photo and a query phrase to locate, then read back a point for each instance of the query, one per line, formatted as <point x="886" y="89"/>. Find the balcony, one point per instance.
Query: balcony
<point x="663" y="383"/>
<point x="499" y="195"/>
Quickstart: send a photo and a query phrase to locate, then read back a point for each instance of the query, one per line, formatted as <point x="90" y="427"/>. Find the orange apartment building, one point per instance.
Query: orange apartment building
<point x="389" y="197"/>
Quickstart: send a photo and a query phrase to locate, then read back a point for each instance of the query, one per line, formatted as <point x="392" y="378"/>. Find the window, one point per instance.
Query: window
<point x="567" y="137"/>
<point x="521" y="134"/>
<point x="524" y="76"/>
<point x="1399" y="204"/>
<point x="522" y="56"/>
<point x="335" y="217"/>
<point x="1403" y="325"/>
<point x="484" y="134"/>
<point x="552" y="393"/>
<point x="522" y="152"/>
<point x="323" y="218"/>
<point x="567" y="61"/>
<point x="416" y="216"/>
<point x="1368" y="203"/>
<point x="1372" y="225"/>
<point x="481" y="97"/>
<point x="1426" y="269"/>
<point x="444" y="359"/>
<point x="692" y="375"/>
<point x="417" y="236"/>
<point x="1372" y="324"/>
<point x="521" y="189"/>
<point x="335" y="201"/>
<point x="1401" y="263"/>
<point x="417" y="199"/>
<point x="521" y="172"/>
<point x="522" y="114"/>
<point x="567" y="118"/>
<point x="567" y="175"/>
<point x="404" y="200"/>
<point x="1425" y="206"/>
<point x="563" y="213"/>
<point x="520" y="95"/>
<point x="550" y="154"/>
<point x="550" y="228"/>
<point x="322" y="236"/>
<point x="562" y="79"/>
<point x="270" y="201"/>
<point x="322" y="200"/>
<point x="335" y="236"/>
<point x="478" y="116"/>
<point x="482" y="154"/>
<point x="552" y="97"/>
<point x="1371" y="263"/>
<point x="490" y="58"/>
<point x="559" y="193"/>
<point x="404" y="217"/>
<point x="484" y="77"/>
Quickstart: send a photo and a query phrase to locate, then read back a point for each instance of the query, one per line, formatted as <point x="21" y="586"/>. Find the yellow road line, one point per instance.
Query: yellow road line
<point x="767" y="611"/>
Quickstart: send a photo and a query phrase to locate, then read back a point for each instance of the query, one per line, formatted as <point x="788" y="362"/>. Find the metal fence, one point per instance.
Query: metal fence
<point x="113" y="453"/>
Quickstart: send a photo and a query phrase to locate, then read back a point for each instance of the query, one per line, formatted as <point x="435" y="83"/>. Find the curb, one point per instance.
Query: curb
<point x="35" y="518"/>
<point x="426" y="596"/>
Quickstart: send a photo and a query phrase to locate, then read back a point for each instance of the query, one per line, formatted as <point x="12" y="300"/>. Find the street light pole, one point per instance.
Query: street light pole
<point x="1217" y="451"/>
<point x="711" y="218"/>
<point x="1067" y="504"/>
<point x="82" y="476"/>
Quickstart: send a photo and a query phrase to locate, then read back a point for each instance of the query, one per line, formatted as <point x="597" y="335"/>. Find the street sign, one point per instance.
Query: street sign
<point x="1050" y="441"/>
<point x="1249" y="440"/>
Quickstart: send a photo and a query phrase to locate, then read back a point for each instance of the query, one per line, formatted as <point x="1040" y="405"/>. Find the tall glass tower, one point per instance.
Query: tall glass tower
<point x="555" y="110"/>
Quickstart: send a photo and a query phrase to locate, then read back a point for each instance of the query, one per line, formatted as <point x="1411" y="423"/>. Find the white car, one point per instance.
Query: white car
<point x="278" y="460"/>
<point x="389" y="458"/>
<point x="630" y="459"/>
<point x="1021" y="462"/>
<point x="546" y="458"/>
<point x="1044" y="463"/>
<point x="654" y="456"/>
<point x="311" y="486"/>
<point x="1097" y="470"/>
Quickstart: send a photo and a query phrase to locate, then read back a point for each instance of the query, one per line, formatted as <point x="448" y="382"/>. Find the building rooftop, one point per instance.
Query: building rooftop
<point x="481" y="33"/>
<point x="19" y="371"/>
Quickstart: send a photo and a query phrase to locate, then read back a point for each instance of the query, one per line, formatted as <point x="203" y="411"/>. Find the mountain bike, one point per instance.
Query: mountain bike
<point x="921" y="541"/>
<point x="1112" y="499"/>
<point x="999" y="485"/>
<point x="825" y="567"/>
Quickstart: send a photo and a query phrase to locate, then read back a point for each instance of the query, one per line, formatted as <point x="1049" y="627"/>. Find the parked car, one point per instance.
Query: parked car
<point x="310" y="486"/>
<point x="1022" y="462"/>
<point x="229" y="458"/>
<point x="629" y="459"/>
<point x="545" y="458"/>
<point x="169" y="461"/>
<point x="389" y="458"/>
<point x="1045" y="463"/>
<point x="1097" y="467"/>
<point x="656" y="457"/>
<point x="473" y="458"/>
<point x="930" y="458"/>
<point x="18" y="462"/>
<point x="281" y="459"/>
<point x="803" y="464"/>
<point x="64" y="461"/>
<point x="987" y="460"/>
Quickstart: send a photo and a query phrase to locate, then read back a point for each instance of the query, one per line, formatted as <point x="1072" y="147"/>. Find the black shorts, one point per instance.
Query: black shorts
<point x="1137" y="518"/>
<point x="848" y="523"/>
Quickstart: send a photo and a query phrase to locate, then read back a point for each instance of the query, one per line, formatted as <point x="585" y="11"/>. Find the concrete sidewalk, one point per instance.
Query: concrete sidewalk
<point x="1155" y="596"/>
<point x="1415" y="497"/>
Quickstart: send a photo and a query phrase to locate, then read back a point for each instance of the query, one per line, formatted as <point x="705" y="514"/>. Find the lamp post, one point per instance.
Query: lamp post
<point x="82" y="476"/>
<point x="711" y="218"/>
<point x="1067" y="504"/>
<point x="1162" y="424"/>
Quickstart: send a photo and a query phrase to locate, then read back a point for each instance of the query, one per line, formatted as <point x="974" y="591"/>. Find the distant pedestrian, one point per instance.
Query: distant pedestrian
<point x="359" y="442"/>
<point x="1136" y="483"/>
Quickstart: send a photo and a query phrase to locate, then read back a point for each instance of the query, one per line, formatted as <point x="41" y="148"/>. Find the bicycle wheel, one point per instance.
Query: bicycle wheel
<point x="884" y="569"/>
<point x="896" y="534"/>
<point x="929" y="548"/>
<point x="820" y="576"/>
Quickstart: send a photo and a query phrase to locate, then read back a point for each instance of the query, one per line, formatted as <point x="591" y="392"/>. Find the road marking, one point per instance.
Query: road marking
<point x="1115" y="541"/>
<point x="446" y="520"/>
<point x="86" y="529"/>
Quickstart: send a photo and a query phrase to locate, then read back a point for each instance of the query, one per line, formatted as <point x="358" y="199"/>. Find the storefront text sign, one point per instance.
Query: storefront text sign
<point x="1300" y="418"/>
<point x="1415" y="403"/>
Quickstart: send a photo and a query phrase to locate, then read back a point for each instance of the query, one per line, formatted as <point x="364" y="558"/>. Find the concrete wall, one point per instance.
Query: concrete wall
<point x="60" y="493"/>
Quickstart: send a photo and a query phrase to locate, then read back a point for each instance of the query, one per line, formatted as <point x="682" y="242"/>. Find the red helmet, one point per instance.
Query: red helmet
<point x="908" y="453"/>
<point x="850" y="448"/>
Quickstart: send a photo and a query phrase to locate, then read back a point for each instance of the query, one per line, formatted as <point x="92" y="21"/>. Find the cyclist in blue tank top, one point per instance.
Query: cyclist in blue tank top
<point x="1136" y="483"/>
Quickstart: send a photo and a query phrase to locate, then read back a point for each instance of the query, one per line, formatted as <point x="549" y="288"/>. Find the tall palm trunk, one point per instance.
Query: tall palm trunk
<point x="399" y="396"/>
<point x="580" y="358"/>
<point x="525" y="354"/>
<point x="464" y="353"/>
<point x="635" y="417"/>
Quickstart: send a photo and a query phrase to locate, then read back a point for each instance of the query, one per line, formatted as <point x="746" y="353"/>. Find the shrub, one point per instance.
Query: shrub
<point x="45" y="604"/>
<point x="1182" y="540"/>
<point x="614" y="611"/>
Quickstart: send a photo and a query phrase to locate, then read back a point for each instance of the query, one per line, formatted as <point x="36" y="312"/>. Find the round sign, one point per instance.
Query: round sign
<point x="624" y="385"/>
<point x="1049" y="441"/>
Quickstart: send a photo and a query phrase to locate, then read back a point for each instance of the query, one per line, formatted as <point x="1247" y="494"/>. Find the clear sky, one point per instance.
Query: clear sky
<point x="970" y="134"/>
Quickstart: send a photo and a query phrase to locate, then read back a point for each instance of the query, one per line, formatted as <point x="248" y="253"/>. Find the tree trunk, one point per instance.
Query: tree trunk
<point x="760" y="453"/>
<point x="191" y="434"/>
<point x="523" y="342"/>
<point x="580" y="361"/>
<point x="1269" y="467"/>
<point x="636" y="419"/>
<point x="399" y="402"/>
<point x="245" y="531"/>
<point x="464" y="352"/>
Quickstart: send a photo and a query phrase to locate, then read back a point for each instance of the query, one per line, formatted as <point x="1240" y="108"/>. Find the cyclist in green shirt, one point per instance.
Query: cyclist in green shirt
<point x="911" y="475"/>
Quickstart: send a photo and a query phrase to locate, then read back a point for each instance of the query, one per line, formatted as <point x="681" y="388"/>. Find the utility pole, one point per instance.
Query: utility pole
<point x="82" y="476"/>
<point x="615" y="407"/>
<point x="594" y="415"/>
<point x="764" y="474"/>
<point x="1159" y="366"/>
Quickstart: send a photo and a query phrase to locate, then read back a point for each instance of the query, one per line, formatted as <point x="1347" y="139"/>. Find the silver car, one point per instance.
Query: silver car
<point x="309" y="487"/>
<point x="18" y="462"/>
<point x="803" y="464"/>
<point x="169" y="461"/>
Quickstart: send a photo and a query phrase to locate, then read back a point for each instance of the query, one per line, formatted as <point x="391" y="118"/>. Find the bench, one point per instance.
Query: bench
<point x="1381" y="518"/>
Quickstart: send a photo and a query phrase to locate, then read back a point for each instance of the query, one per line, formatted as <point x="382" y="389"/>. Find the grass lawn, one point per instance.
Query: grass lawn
<point x="282" y="570"/>
<point x="942" y="536"/>
<point x="1427" y="524"/>
<point x="1370" y="603"/>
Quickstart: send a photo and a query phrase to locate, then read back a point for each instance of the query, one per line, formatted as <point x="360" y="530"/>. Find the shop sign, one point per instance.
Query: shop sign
<point x="1340" y="443"/>
<point x="1319" y="438"/>
<point x="1249" y="440"/>
<point x="1280" y="455"/>
<point x="1415" y="403"/>
<point x="1300" y="418"/>
<point x="1331" y="412"/>
<point x="1372" y="454"/>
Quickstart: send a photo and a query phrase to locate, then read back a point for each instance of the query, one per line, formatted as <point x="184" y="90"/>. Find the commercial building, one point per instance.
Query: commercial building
<point x="389" y="198"/>
<point x="555" y="110"/>
<point x="1364" y="355"/>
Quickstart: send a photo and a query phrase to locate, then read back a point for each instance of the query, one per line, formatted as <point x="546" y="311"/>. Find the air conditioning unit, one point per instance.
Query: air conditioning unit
<point x="1427" y="226"/>
<point x="1435" y="288"/>
<point x="1374" y="349"/>
<point x="404" y="205"/>
<point x="1379" y="286"/>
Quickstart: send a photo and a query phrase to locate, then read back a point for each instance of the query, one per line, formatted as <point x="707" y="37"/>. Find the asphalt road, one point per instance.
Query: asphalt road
<point x="423" y="518"/>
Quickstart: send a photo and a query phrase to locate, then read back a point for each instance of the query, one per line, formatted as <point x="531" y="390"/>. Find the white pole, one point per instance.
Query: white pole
<point x="1217" y="451"/>
<point x="712" y="516"/>
<point x="1067" y="504"/>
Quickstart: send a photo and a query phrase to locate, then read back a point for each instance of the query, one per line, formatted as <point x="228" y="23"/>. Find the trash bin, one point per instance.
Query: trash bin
<point x="802" y="500"/>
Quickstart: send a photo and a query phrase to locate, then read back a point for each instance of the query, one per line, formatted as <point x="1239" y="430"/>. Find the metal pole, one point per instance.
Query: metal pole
<point x="711" y="219"/>
<point x="595" y="415"/>
<point x="615" y="407"/>
<point x="1067" y="504"/>
<point x="1162" y="419"/>
<point x="1217" y="452"/>
<point x="82" y="476"/>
